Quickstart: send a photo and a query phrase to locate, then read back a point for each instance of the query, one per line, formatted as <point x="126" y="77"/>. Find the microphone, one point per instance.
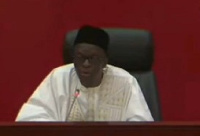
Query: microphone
<point x="76" y="95"/>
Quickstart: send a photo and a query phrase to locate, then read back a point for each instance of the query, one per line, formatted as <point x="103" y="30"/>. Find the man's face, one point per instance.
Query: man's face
<point x="89" y="61"/>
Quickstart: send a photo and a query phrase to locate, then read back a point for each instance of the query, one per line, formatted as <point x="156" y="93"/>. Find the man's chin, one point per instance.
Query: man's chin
<point x="85" y="79"/>
<point x="85" y="75"/>
<point x="86" y="84"/>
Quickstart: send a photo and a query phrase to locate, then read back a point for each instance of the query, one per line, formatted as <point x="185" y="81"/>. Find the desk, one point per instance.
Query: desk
<point x="101" y="129"/>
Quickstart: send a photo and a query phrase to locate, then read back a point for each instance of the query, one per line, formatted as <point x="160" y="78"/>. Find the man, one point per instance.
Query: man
<point x="89" y="89"/>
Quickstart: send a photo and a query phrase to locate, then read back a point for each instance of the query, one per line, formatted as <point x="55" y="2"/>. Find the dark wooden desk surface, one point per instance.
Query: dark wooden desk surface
<point x="100" y="129"/>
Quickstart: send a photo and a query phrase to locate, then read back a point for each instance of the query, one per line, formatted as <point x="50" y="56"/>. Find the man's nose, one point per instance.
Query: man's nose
<point x="86" y="63"/>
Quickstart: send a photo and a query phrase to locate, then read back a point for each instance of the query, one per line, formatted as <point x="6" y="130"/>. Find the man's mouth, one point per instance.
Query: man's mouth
<point x="85" y="74"/>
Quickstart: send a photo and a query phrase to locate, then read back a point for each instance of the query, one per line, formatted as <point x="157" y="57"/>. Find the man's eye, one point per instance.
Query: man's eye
<point x="78" y="57"/>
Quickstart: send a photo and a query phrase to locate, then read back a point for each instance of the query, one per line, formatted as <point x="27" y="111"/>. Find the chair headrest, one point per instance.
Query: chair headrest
<point x="131" y="49"/>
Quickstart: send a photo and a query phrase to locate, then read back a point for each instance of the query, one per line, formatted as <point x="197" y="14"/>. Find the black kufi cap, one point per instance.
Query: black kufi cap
<point x="92" y="35"/>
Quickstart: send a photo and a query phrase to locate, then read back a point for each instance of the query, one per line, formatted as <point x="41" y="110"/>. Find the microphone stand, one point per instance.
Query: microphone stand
<point x="76" y="95"/>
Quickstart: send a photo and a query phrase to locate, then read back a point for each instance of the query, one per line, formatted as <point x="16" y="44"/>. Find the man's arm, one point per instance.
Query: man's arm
<point x="41" y="106"/>
<point x="137" y="109"/>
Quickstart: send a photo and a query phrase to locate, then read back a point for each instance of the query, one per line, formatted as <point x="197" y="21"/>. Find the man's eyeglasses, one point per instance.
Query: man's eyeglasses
<point x="92" y="60"/>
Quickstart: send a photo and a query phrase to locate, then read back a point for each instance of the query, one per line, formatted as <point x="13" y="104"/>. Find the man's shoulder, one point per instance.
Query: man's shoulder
<point x="119" y="75"/>
<point x="66" y="67"/>
<point x="117" y="71"/>
<point x="63" y="70"/>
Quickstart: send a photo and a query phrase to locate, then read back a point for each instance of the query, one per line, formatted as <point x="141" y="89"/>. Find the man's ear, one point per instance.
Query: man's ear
<point x="105" y="62"/>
